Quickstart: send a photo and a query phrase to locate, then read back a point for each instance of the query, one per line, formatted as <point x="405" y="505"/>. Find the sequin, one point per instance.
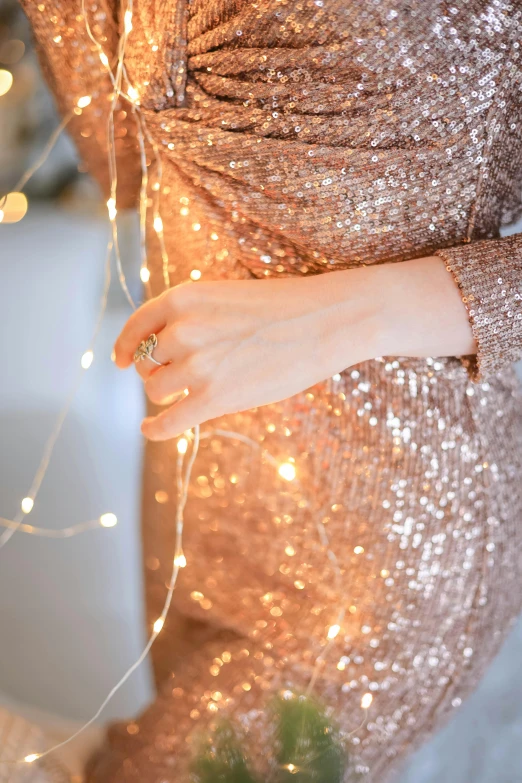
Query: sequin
<point x="300" y="137"/>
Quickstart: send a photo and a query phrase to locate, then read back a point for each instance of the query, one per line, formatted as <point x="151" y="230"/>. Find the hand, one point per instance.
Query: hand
<point x="239" y="344"/>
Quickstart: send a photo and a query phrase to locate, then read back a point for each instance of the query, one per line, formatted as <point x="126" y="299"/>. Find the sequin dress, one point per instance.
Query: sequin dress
<point x="300" y="137"/>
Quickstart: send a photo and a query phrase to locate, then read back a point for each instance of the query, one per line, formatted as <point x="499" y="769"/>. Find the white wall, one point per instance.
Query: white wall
<point x="71" y="615"/>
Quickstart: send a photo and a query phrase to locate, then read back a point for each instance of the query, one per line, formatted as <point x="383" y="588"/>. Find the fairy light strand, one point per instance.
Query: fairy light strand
<point x="64" y="532"/>
<point x="24" y="179"/>
<point x="29" y="499"/>
<point x="183" y="483"/>
<point x="182" y="479"/>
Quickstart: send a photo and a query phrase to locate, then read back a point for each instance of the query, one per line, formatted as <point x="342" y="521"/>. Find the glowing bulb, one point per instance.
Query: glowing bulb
<point x="144" y="274"/>
<point x="287" y="471"/>
<point x="180" y="560"/>
<point x="27" y="505"/>
<point x="14" y="207"/>
<point x="195" y="274"/>
<point x="83" y="102"/>
<point x="31" y="757"/>
<point x="292" y="769"/>
<point x="133" y="94"/>
<point x="158" y="224"/>
<point x="87" y="359"/>
<point x="6" y="81"/>
<point x="104" y="59"/>
<point x="182" y="446"/>
<point x="108" y="520"/>
<point x="158" y="625"/>
<point x="111" y="206"/>
<point x="358" y="550"/>
<point x="127" y="21"/>
<point x="333" y="631"/>
<point x="366" y="700"/>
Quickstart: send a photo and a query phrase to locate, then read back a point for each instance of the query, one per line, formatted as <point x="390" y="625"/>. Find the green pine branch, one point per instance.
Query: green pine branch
<point x="307" y="749"/>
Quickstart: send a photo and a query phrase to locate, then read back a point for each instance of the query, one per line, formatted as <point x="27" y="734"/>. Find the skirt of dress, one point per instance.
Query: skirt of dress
<point x="388" y="492"/>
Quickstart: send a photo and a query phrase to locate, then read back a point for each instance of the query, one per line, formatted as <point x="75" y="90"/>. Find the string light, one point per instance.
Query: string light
<point x="65" y="532"/>
<point x="111" y="207"/>
<point x="286" y="470"/>
<point x="127" y="21"/>
<point x="6" y="81"/>
<point x="180" y="560"/>
<point x="27" y="505"/>
<point x="87" y="359"/>
<point x="366" y="701"/>
<point x="133" y="94"/>
<point x="14" y="207"/>
<point x="55" y="433"/>
<point x="82" y="103"/>
<point x="108" y="520"/>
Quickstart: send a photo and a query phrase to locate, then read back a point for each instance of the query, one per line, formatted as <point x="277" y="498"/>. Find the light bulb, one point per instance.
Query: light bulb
<point x="158" y="625"/>
<point x="111" y="206"/>
<point x="195" y="274"/>
<point x="83" y="102"/>
<point x="127" y="21"/>
<point x="27" y="505"/>
<point x="144" y="274"/>
<point x="358" y="550"/>
<point x="31" y="757"/>
<point x="158" y="224"/>
<point x="366" y="700"/>
<point x="182" y="446"/>
<point x="108" y="520"/>
<point x="133" y="94"/>
<point x="333" y="631"/>
<point x="6" y="81"/>
<point x="287" y="471"/>
<point x="87" y="359"/>
<point x="180" y="560"/>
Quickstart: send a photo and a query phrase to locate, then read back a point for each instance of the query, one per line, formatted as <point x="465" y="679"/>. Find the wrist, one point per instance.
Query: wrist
<point x="421" y="310"/>
<point x="351" y="306"/>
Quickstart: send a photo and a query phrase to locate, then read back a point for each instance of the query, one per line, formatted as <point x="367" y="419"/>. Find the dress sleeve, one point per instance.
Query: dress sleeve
<point x="489" y="276"/>
<point x="72" y="67"/>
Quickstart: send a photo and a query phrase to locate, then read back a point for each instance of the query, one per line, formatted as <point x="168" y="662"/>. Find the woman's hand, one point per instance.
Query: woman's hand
<point x="240" y="344"/>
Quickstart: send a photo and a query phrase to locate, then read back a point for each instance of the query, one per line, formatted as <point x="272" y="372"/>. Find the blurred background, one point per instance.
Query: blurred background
<point x="71" y="612"/>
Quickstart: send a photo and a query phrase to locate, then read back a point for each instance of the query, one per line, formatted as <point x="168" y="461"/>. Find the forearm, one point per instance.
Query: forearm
<point x="412" y="308"/>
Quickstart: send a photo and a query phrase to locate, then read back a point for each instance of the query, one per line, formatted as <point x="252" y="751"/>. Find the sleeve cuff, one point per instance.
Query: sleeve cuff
<point x="489" y="276"/>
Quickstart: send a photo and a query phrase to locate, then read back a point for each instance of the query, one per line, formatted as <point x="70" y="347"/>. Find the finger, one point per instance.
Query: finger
<point x="166" y="381"/>
<point x="148" y="319"/>
<point x="168" y="350"/>
<point x="181" y="416"/>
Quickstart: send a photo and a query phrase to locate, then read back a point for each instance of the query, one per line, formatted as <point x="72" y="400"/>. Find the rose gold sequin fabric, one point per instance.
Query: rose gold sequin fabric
<point x="300" y="137"/>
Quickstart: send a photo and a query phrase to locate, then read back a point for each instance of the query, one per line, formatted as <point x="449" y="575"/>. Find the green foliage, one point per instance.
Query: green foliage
<point x="306" y="748"/>
<point x="222" y="761"/>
